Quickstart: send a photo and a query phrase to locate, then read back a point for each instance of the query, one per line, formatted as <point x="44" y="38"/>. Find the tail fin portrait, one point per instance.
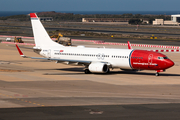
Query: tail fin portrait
<point x="41" y="37"/>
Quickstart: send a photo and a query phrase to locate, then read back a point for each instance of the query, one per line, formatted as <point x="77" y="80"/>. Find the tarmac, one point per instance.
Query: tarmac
<point x="40" y="89"/>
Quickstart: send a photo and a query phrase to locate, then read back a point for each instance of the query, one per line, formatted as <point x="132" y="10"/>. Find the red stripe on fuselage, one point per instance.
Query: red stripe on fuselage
<point x="148" y="60"/>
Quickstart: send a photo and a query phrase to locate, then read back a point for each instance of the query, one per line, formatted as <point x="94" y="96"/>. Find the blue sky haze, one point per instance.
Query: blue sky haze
<point x="89" y="5"/>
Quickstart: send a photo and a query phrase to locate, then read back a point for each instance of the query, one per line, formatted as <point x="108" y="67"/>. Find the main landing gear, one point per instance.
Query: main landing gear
<point x="86" y="71"/>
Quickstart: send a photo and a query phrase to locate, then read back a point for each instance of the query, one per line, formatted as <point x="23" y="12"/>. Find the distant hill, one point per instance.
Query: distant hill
<point x="52" y="13"/>
<point x="70" y="17"/>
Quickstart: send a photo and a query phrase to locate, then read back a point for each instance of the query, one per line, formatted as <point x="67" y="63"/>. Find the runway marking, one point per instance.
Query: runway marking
<point x="19" y="99"/>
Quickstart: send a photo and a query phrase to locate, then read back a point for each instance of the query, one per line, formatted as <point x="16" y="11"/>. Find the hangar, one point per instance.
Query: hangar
<point x="175" y="20"/>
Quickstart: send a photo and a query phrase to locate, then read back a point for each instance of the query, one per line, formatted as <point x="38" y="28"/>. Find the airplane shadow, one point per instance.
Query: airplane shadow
<point x="76" y="71"/>
<point x="81" y="71"/>
<point x="142" y="73"/>
<point x="73" y="69"/>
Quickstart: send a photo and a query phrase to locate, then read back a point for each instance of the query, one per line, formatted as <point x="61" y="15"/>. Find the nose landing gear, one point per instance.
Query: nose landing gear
<point x="158" y="71"/>
<point x="157" y="74"/>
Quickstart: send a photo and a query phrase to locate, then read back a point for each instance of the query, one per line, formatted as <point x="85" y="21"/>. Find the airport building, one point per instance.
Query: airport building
<point x="46" y="18"/>
<point x="175" y="20"/>
<point x="115" y="20"/>
<point x="105" y="19"/>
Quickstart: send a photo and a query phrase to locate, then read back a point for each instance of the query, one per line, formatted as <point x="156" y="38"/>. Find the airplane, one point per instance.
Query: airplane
<point x="95" y="60"/>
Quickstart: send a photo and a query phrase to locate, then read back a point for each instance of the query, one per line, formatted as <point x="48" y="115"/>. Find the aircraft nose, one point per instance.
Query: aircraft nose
<point x="169" y="63"/>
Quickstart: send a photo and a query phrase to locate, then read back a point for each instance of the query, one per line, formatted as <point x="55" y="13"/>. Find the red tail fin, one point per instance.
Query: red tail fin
<point x="33" y="15"/>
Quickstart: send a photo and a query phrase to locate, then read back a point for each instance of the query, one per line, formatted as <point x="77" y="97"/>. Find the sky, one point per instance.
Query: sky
<point x="89" y="5"/>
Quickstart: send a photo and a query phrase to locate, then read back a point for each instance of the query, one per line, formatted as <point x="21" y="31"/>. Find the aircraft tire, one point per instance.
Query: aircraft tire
<point x="157" y="74"/>
<point x="86" y="71"/>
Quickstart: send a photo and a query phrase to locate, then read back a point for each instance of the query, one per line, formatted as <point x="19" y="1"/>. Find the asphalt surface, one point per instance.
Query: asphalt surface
<point x="156" y="31"/>
<point x="27" y="31"/>
<point x="123" y="40"/>
<point x="105" y="112"/>
<point x="133" y="41"/>
<point x="117" y="32"/>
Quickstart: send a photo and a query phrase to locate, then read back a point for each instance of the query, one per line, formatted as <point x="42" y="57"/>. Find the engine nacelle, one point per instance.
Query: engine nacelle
<point x="98" y="68"/>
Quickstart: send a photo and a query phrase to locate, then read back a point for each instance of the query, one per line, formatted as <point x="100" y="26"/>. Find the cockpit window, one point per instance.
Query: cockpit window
<point x="166" y="58"/>
<point x="161" y="58"/>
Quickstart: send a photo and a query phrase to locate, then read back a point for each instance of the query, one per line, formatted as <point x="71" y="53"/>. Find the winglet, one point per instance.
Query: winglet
<point x="129" y="45"/>
<point x="20" y="52"/>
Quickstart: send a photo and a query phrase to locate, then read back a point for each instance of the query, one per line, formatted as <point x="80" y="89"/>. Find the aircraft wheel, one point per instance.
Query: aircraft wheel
<point x="108" y="71"/>
<point x="86" y="71"/>
<point x="157" y="74"/>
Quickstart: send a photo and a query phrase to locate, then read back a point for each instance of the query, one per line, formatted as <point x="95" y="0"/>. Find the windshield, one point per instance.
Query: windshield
<point x="161" y="58"/>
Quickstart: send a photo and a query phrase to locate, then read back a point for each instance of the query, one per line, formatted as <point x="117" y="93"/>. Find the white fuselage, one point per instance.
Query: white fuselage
<point x="118" y="58"/>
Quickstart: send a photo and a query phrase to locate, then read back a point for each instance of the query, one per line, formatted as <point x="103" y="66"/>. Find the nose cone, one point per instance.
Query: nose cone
<point x="169" y="63"/>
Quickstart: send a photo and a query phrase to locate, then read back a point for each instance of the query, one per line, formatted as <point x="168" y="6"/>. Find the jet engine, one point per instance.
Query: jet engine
<point x="98" y="68"/>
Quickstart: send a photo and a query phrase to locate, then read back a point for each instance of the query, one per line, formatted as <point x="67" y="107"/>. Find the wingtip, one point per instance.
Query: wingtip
<point x="20" y="52"/>
<point x="129" y="45"/>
